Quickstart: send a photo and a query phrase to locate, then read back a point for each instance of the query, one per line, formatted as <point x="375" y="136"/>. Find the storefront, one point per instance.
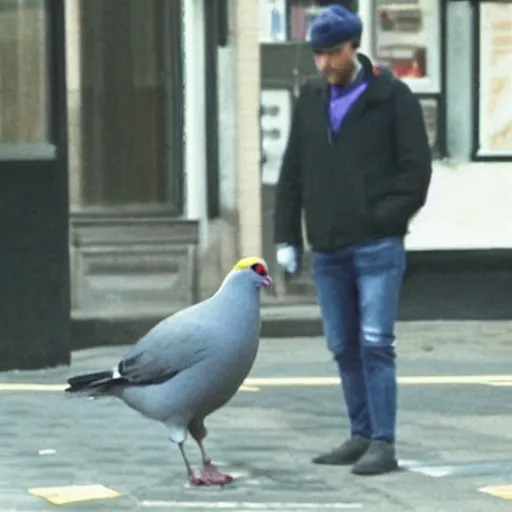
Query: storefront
<point x="34" y="267"/>
<point x="455" y="56"/>
<point x="103" y="164"/>
<point x="137" y="153"/>
<point x="407" y="36"/>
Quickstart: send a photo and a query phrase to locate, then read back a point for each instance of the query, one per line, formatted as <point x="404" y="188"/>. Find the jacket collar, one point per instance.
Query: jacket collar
<point x="379" y="78"/>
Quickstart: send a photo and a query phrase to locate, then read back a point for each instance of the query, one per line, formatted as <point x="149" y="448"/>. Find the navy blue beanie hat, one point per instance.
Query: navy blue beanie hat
<point x="334" y="25"/>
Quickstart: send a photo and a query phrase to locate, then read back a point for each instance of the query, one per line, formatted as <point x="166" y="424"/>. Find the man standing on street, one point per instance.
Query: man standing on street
<point x="358" y="163"/>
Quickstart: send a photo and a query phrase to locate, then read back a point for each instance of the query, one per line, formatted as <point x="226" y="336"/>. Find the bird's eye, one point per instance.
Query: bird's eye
<point x="259" y="269"/>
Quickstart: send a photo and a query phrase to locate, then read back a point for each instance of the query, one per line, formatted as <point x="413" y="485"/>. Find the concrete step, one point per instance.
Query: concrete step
<point x="484" y="296"/>
<point x="458" y="286"/>
<point x="277" y="322"/>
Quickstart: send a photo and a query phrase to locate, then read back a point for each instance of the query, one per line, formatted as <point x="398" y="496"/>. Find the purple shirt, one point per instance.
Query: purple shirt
<point x="341" y="100"/>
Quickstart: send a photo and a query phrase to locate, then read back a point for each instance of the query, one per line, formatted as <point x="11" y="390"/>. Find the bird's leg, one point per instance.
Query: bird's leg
<point x="192" y="477"/>
<point x="210" y="475"/>
<point x="210" y="472"/>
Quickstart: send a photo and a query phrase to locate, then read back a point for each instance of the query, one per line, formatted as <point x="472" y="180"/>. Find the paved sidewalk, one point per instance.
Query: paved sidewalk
<point x="455" y="434"/>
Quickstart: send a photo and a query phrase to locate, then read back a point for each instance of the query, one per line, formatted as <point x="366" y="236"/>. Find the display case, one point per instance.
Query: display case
<point x="407" y="37"/>
<point x="404" y="35"/>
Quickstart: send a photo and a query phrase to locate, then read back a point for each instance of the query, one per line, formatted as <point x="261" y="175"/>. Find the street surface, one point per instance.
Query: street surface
<point x="455" y="434"/>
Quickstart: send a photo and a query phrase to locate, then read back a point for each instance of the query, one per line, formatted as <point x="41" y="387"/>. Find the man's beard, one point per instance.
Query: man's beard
<point x="340" y="77"/>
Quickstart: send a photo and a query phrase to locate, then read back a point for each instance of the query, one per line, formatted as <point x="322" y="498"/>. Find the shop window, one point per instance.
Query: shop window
<point x="288" y="20"/>
<point x="407" y="38"/>
<point x="404" y="35"/>
<point x="24" y="91"/>
<point x="273" y="21"/>
<point x="123" y="110"/>
<point x="495" y="80"/>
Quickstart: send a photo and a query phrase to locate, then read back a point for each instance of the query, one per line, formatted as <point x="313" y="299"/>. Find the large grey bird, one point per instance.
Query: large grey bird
<point x="191" y="363"/>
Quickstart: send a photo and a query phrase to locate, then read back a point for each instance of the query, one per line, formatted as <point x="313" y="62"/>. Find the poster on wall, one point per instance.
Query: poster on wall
<point x="495" y="126"/>
<point x="275" y="126"/>
<point x="273" y="21"/>
<point x="406" y="38"/>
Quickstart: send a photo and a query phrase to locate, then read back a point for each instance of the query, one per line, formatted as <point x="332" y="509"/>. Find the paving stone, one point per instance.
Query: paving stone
<point x="267" y="438"/>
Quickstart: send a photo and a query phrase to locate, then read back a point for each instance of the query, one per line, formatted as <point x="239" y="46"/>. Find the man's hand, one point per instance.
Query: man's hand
<point x="288" y="258"/>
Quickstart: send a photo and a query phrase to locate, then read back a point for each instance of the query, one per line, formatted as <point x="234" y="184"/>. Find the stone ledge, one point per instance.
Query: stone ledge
<point x="121" y="329"/>
<point x="440" y="287"/>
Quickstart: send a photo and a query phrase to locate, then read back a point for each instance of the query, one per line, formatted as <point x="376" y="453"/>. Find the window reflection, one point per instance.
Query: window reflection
<point x="23" y="71"/>
<point x="407" y="39"/>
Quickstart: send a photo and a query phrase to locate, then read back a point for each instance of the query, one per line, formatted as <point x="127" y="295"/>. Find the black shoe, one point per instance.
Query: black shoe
<point x="348" y="453"/>
<point x="379" y="458"/>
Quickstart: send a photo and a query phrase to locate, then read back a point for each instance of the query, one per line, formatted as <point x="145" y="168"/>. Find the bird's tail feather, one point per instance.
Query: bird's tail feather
<point x="92" y="383"/>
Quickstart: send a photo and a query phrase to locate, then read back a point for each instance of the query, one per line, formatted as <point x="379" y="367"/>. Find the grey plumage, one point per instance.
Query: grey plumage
<point x="191" y="363"/>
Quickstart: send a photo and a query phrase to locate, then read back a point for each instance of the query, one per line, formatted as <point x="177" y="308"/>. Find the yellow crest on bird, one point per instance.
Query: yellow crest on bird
<point x="248" y="262"/>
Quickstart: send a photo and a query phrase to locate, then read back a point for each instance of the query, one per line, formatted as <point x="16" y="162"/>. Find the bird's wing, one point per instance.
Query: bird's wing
<point x="163" y="352"/>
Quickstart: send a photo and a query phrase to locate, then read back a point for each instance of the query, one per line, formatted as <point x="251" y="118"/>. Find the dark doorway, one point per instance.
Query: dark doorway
<point x="34" y="261"/>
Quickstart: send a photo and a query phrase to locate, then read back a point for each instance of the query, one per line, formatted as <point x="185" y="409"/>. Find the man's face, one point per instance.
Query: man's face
<point x="336" y="63"/>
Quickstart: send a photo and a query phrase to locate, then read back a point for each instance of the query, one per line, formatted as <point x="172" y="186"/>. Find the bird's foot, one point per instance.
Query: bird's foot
<point x="210" y="475"/>
<point x="195" y="479"/>
<point x="214" y="476"/>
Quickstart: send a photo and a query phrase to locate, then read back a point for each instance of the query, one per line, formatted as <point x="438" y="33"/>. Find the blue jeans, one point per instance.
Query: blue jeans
<point x="358" y="290"/>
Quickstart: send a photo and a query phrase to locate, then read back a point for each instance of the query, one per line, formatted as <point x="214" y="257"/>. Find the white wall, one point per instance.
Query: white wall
<point x="195" y="126"/>
<point x="469" y="207"/>
<point x="227" y="127"/>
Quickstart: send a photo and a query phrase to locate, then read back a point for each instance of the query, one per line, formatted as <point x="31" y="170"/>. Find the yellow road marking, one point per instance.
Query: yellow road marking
<point x="20" y="386"/>
<point x="255" y="384"/>
<point x="433" y="379"/>
<point x="74" y="493"/>
<point x="244" y="387"/>
<point x="500" y="491"/>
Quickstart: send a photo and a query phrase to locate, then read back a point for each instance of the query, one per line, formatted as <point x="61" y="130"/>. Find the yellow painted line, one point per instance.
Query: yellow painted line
<point x="334" y="381"/>
<point x="244" y="387"/>
<point x="19" y="386"/>
<point x="74" y="493"/>
<point x="499" y="491"/>
<point x="255" y="384"/>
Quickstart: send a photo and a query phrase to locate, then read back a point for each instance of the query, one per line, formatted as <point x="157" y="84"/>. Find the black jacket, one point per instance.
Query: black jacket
<point x="365" y="181"/>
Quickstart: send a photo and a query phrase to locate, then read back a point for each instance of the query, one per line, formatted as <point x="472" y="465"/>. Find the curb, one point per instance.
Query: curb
<point x="277" y="322"/>
<point x="439" y="285"/>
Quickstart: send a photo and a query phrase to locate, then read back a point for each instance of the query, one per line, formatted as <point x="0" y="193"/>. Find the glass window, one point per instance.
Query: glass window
<point x="302" y="12"/>
<point x="495" y="106"/>
<point x="407" y="37"/>
<point x="273" y="21"/>
<point x="125" y="102"/>
<point x="288" y="20"/>
<point x="23" y="72"/>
